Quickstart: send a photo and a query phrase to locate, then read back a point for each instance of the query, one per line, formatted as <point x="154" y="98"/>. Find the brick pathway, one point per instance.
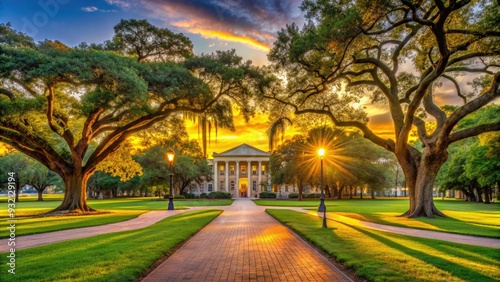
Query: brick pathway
<point x="246" y="244"/>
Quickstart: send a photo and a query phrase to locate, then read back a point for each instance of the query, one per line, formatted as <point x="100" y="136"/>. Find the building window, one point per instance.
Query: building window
<point x="211" y="167"/>
<point x="210" y="187"/>
<point x="193" y="188"/>
<point x="243" y="169"/>
<point x="254" y="185"/>
<point x="231" y="169"/>
<point x="221" y="170"/>
<point x="263" y="169"/>
<point x="232" y="185"/>
<point x="202" y="187"/>
<point x="254" y="170"/>
<point x="286" y="188"/>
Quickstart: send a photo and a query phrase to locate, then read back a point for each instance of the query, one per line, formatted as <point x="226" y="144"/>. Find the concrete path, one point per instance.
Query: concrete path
<point x="436" y="235"/>
<point x="143" y="220"/>
<point x="246" y="244"/>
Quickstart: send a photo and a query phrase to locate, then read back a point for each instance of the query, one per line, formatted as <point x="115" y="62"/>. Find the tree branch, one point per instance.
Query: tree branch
<point x="66" y="134"/>
<point x="492" y="93"/>
<point x="473" y="131"/>
<point x="432" y="109"/>
<point x="7" y="93"/>
<point x="457" y="87"/>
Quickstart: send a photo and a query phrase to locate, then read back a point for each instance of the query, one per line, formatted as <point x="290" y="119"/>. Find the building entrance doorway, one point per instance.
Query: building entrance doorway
<point x="243" y="189"/>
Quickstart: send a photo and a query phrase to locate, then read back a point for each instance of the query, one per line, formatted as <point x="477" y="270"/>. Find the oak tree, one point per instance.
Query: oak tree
<point x="404" y="56"/>
<point x="56" y="101"/>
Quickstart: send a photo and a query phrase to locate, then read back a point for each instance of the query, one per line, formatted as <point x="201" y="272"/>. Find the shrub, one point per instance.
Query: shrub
<point x="179" y="197"/>
<point x="312" y="196"/>
<point x="203" y="195"/>
<point x="189" y="195"/>
<point x="293" y="196"/>
<point x="219" y="195"/>
<point x="267" y="195"/>
<point x="197" y="196"/>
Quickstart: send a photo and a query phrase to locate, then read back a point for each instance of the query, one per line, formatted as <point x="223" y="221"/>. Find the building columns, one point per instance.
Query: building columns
<point x="237" y="181"/>
<point x="227" y="176"/>
<point x="216" y="171"/>
<point x="259" y="172"/>
<point x="249" y="182"/>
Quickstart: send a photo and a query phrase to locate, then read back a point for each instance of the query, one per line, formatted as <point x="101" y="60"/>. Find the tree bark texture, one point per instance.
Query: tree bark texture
<point x="420" y="183"/>
<point x="75" y="197"/>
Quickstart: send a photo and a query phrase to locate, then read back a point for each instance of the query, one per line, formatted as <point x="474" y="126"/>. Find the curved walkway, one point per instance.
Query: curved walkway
<point x="143" y="220"/>
<point x="246" y="244"/>
<point x="436" y="235"/>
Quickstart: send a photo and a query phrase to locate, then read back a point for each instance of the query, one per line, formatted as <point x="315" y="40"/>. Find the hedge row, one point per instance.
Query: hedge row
<point x="267" y="195"/>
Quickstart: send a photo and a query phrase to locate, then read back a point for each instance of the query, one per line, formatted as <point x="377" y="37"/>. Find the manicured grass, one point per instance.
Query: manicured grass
<point x="28" y="225"/>
<point x="33" y="198"/>
<point x="463" y="217"/>
<point x="152" y="203"/>
<point x="121" y="256"/>
<point x="29" y="211"/>
<point x="30" y="207"/>
<point x="381" y="256"/>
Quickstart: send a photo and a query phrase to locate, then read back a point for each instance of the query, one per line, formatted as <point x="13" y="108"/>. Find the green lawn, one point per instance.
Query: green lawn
<point x="464" y="218"/>
<point x="122" y="256"/>
<point x="31" y="206"/>
<point x="30" y="220"/>
<point x="381" y="256"/>
<point x="27" y="225"/>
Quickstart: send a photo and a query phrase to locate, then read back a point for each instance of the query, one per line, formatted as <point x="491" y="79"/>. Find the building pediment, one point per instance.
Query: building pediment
<point x="243" y="150"/>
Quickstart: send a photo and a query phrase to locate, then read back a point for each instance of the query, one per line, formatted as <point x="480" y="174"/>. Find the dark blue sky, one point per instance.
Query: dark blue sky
<point x="248" y="26"/>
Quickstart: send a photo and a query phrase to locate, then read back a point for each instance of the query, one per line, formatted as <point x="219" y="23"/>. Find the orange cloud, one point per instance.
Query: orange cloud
<point x="255" y="132"/>
<point x="252" y="23"/>
<point x="210" y="33"/>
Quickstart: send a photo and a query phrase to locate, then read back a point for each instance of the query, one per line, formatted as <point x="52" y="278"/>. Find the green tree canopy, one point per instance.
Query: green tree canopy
<point x="54" y="102"/>
<point x="399" y="54"/>
<point x="349" y="161"/>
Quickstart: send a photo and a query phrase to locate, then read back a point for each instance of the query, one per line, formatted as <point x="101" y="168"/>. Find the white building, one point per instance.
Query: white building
<point x="241" y="171"/>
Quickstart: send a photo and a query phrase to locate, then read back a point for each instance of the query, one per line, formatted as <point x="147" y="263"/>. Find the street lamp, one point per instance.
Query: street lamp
<point x="322" y="207"/>
<point x="170" y="158"/>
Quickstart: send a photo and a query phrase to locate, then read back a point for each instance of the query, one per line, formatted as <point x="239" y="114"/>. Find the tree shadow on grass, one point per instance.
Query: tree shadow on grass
<point x="448" y="225"/>
<point x="455" y="269"/>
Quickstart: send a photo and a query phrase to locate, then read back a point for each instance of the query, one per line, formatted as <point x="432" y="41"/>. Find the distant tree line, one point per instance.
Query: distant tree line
<point x="350" y="163"/>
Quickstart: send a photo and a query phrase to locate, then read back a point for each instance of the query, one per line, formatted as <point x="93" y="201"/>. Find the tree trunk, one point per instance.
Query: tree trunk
<point x="486" y="195"/>
<point x="361" y="193"/>
<point x="479" y="198"/>
<point x="472" y="195"/>
<point x="341" y="190"/>
<point x="421" y="193"/>
<point x="373" y="194"/>
<point x="350" y="192"/>
<point x="40" y="197"/>
<point x="75" y="195"/>
<point x="466" y="193"/>
<point x="18" y="188"/>
<point x="328" y="192"/>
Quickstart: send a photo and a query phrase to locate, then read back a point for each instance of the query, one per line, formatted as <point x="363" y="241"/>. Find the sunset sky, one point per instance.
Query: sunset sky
<point x="248" y="26"/>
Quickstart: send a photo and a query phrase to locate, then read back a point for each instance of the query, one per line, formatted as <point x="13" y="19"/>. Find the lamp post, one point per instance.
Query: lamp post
<point x="170" y="158"/>
<point x="322" y="207"/>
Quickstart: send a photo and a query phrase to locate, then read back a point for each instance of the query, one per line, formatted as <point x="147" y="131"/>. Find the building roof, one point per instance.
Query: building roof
<point x="243" y="150"/>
